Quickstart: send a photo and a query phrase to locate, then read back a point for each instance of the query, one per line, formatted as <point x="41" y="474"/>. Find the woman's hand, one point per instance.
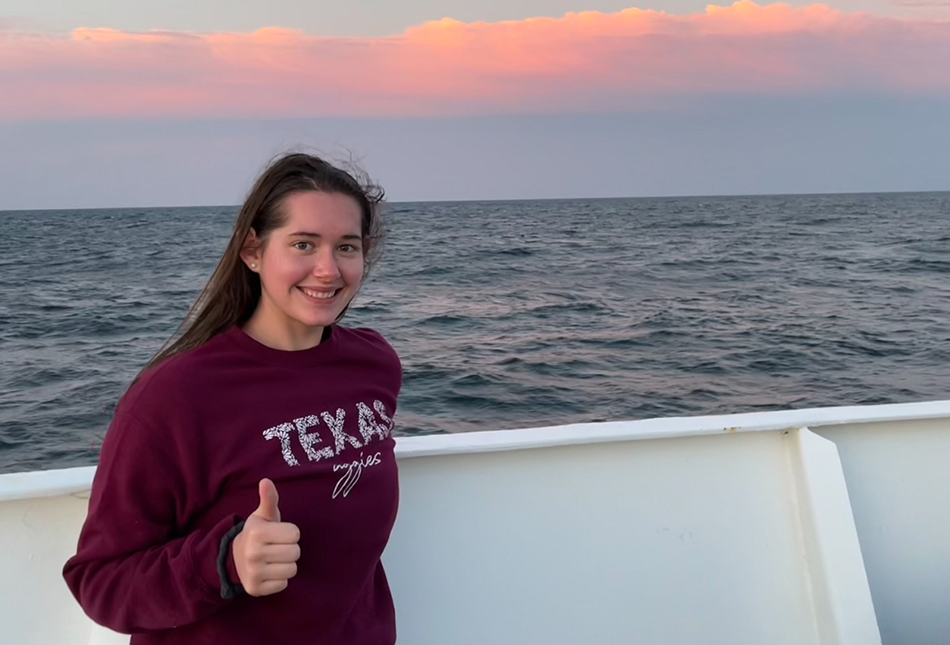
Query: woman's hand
<point x="266" y="550"/>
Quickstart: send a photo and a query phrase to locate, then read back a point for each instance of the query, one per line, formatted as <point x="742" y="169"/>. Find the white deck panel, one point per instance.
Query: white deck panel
<point x="898" y="475"/>
<point x="731" y="529"/>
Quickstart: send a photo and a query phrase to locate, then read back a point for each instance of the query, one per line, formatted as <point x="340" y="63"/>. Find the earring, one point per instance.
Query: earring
<point x="253" y="266"/>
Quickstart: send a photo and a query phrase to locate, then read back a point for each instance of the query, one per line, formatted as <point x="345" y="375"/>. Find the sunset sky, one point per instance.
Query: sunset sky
<point x="117" y="103"/>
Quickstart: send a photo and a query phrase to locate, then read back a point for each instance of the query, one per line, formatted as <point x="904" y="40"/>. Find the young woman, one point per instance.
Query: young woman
<point x="247" y="486"/>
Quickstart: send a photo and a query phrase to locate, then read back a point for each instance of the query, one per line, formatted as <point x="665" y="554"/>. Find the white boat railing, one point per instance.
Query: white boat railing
<point x="824" y="526"/>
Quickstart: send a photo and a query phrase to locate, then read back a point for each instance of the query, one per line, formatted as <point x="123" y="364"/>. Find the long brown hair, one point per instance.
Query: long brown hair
<point x="233" y="291"/>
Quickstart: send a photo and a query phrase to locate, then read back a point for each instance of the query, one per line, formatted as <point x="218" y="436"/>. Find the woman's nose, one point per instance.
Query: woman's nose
<point x="326" y="266"/>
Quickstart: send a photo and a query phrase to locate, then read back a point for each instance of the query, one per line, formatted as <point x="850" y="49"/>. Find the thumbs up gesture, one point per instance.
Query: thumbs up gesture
<point x="266" y="550"/>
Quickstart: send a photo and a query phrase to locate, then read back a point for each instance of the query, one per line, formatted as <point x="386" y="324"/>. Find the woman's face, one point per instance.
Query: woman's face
<point x="310" y="267"/>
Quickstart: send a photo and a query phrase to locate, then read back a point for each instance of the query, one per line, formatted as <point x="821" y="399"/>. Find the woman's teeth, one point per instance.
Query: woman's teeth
<point x="319" y="294"/>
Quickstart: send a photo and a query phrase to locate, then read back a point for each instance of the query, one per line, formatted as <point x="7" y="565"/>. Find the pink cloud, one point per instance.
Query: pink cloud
<point x="587" y="61"/>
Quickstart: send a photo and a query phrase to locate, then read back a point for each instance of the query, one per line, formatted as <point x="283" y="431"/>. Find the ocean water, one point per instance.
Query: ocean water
<point x="515" y="314"/>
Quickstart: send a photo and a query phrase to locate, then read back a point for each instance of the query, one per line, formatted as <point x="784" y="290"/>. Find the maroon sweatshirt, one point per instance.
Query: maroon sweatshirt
<point x="180" y="467"/>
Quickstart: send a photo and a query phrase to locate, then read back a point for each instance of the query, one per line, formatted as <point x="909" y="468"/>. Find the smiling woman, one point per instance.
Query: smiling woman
<point x="303" y="215"/>
<point x="187" y="539"/>
<point x="310" y="268"/>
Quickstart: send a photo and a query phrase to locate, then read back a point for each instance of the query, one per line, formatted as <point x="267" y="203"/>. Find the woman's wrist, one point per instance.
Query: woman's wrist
<point x="230" y="581"/>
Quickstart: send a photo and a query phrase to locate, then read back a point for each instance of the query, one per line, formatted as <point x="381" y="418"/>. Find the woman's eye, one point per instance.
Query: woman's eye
<point x="302" y="246"/>
<point x="348" y="248"/>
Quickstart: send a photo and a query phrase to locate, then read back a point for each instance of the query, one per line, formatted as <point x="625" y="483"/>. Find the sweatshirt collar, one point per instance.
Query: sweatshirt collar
<point x="299" y="358"/>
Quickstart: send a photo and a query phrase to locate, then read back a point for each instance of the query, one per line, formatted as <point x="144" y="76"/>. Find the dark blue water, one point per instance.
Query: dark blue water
<point x="515" y="314"/>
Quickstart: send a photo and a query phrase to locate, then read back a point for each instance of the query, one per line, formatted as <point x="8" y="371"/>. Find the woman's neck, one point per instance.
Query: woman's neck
<point x="286" y="335"/>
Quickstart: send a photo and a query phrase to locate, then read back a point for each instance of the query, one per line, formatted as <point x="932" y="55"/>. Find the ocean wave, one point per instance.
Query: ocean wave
<point x="512" y="315"/>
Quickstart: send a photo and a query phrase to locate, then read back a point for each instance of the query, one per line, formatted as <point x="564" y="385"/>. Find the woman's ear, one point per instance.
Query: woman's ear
<point x="251" y="251"/>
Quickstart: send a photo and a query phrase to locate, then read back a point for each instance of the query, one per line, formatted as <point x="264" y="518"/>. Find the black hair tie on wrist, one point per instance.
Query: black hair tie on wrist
<point x="229" y="589"/>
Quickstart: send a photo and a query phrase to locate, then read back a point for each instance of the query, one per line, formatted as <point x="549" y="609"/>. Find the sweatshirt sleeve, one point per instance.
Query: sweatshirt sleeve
<point x="136" y="568"/>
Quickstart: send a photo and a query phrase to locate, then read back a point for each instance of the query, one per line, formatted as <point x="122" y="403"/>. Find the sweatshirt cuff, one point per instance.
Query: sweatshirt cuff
<point x="227" y="571"/>
<point x="206" y="552"/>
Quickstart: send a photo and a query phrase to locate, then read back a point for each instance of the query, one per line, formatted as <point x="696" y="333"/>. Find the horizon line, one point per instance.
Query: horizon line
<point x="4" y="211"/>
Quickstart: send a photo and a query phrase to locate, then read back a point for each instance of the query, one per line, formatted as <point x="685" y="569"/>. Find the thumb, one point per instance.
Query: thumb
<point x="268" y="510"/>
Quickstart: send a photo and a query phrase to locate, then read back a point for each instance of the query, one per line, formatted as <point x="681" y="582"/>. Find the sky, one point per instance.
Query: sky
<point x="109" y="103"/>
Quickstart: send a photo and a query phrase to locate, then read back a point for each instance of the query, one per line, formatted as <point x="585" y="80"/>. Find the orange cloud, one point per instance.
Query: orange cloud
<point x="582" y="62"/>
